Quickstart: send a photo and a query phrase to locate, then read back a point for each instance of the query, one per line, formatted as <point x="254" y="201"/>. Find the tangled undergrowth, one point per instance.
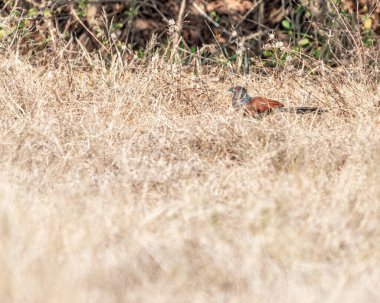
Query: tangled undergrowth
<point x="141" y="184"/>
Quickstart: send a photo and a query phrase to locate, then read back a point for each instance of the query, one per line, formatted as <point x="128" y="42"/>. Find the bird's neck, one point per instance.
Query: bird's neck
<point x="240" y="99"/>
<point x="245" y="99"/>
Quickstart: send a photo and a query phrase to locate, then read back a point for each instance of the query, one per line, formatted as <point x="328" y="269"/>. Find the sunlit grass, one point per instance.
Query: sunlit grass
<point x="141" y="184"/>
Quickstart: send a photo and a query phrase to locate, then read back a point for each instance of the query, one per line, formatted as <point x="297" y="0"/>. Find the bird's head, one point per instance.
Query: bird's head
<point x="238" y="89"/>
<point x="239" y="92"/>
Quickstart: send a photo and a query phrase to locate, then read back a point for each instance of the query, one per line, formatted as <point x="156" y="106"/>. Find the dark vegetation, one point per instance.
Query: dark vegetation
<point x="210" y="31"/>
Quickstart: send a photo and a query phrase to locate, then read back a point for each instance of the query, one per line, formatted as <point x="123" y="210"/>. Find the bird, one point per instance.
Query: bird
<point x="260" y="105"/>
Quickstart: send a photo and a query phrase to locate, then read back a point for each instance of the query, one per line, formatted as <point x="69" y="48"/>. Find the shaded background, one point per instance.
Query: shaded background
<point x="211" y="28"/>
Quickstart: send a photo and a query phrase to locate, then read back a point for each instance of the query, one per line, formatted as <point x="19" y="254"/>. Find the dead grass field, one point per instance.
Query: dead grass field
<point x="142" y="185"/>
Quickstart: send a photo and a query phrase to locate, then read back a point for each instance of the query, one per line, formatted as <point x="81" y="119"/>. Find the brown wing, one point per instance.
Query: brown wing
<point x="259" y="105"/>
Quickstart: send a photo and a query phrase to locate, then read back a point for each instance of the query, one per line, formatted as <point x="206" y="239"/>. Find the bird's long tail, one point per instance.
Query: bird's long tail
<point x="302" y="110"/>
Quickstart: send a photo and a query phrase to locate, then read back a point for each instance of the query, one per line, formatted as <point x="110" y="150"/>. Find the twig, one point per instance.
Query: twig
<point x="216" y="24"/>
<point x="154" y="6"/>
<point x="216" y="40"/>
<point x="87" y="29"/>
<point x="177" y="34"/>
<point x="250" y="11"/>
<point x="346" y="26"/>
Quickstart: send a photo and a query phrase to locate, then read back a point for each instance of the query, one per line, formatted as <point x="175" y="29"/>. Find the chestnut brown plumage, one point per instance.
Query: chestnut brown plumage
<point x="259" y="105"/>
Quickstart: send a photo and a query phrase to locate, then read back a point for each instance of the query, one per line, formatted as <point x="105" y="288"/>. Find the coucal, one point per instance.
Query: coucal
<point x="259" y="105"/>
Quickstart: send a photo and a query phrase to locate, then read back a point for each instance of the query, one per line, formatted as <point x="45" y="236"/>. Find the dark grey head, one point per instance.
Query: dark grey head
<point x="239" y="94"/>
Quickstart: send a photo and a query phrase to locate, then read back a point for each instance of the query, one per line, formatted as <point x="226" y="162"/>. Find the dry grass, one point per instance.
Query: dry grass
<point x="144" y="186"/>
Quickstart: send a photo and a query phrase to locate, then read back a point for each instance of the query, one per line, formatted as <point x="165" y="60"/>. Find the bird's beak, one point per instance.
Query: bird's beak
<point x="231" y="90"/>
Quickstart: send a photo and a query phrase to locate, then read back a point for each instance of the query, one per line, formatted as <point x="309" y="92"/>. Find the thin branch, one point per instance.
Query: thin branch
<point x="153" y="4"/>
<point x="250" y="11"/>
<point x="216" y="24"/>
<point x="177" y="34"/>
<point x="87" y="29"/>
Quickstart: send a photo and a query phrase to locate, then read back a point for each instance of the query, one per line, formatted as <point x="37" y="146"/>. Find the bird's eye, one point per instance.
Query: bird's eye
<point x="238" y="88"/>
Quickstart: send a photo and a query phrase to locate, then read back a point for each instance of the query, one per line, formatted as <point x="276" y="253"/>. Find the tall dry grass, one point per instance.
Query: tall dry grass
<point x="140" y="184"/>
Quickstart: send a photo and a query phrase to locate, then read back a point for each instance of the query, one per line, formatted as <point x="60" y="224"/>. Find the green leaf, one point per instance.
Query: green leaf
<point x="132" y="12"/>
<point x="15" y="13"/>
<point x="116" y="26"/>
<point x="233" y="58"/>
<point x="367" y="23"/>
<point x="317" y="53"/>
<point x="284" y="56"/>
<point x="32" y="12"/>
<point x="286" y="24"/>
<point x="21" y="25"/>
<point x="141" y="54"/>
<point x="47" y="13"/>
<point x="267" y="54"/>
<point x="296" y="49"/>
<point x="304" y="42"/>
<point x="215" y="16"/>
<point x="82" y="8"/>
